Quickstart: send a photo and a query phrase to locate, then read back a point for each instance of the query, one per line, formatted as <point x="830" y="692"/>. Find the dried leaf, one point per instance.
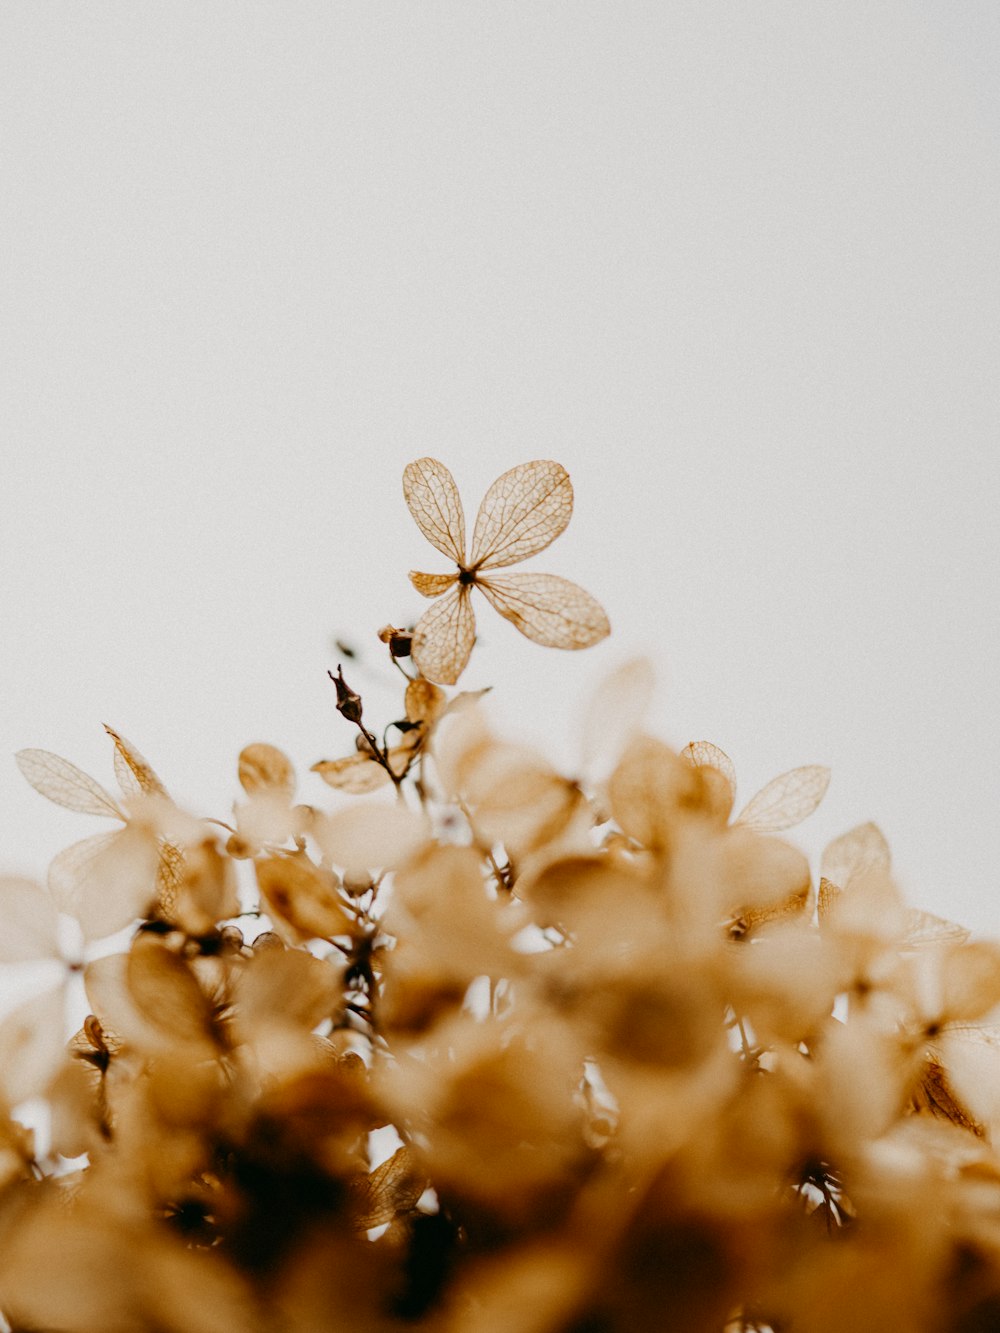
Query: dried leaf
<point x="444" y="635"/>
<point x="128" y="759"/>
<point x="550" y="610"/>
<point x="264" y="767"/>
<point x="524" y="511"/>
<point x="786" y="800"/>
<point x="65" y="784"/>
<point x="302" y="896"/>
<point x="391" y="1189"/>
<point x="433" y="500"/>
<point x="29" y="922"/>
<point x="853" y="854"/>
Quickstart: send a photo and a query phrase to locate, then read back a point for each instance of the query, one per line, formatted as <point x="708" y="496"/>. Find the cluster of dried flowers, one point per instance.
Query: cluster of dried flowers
<point x="491" y="1048"/>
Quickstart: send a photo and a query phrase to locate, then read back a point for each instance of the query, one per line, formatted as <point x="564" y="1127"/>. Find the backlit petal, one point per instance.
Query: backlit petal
<point x="443" y="638"/>
<point x="434" y="502"/>
<point x="550" y="610"/>
<point x="521" y="513"/>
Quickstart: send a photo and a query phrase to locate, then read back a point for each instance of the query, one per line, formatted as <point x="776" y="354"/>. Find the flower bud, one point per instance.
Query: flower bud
<point x="348" y="703"/>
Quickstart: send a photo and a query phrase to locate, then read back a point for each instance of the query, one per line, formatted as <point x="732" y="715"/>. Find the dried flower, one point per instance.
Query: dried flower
<point x="522" y="512"/>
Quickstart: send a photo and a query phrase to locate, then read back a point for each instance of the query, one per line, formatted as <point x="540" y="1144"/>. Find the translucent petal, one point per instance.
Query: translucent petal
<point x="521" y="513"/>
<point x="370" y="836"/>
<point x="853" y="853"/>
<point x="924" y="928"/>
<point x="444" y="635"/>
<point x="705" y="755"/>
<point x="550" y="610"/>
<point x="302" y="895"/>
<point x="357" y="774"/>
<point x="615" y="714"/>
<point x="786" y="800"/>
<point x="32" y="1045"/>
<point x="424" y="701"/>
<point x="166" y="992"/>
<point x="264" y="767"/>
<point x="106" y="881"/>
<point x="28" y="922"/>
<point x="391" y="1189"/>
<point x="431" y="585"/>
<point x="65" y="784"/>
<point x="433" y="500"/>
<point x="128" y="759"/>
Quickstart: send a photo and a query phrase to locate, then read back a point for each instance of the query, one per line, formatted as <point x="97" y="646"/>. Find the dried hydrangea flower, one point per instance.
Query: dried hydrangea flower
<point x="521" y="513"/>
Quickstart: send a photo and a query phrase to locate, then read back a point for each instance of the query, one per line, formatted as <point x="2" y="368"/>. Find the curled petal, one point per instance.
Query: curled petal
<point x="264" y="767"/>
<point x="521" y="513"/>
<point x="431" y="585"/>
<point x="443" y="638"/>
<point x="132" y="771"/>
<point x="550" y="610"/>
<point x="433" y="500"/>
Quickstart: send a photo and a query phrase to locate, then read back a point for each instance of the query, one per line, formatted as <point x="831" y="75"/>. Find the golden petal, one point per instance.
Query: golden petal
<point x="786" y="800"/>
<point x="431" y="585"/>
<point x="433" y="500"/>
<point x="444" y="635"/>
<point x="264" y="767"/>
<point x="357" y="774"/>
<point x="521" y="513"/>
<point x="132" y="771"/>
<point x="550" y="610"/>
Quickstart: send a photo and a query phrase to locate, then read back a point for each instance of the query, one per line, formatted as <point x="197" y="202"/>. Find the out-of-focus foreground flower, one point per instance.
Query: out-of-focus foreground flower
<point x="474" y="1044"/>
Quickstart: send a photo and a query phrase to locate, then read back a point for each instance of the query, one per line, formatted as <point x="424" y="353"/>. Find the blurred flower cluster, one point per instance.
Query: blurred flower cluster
<point x="476" y="1044"/>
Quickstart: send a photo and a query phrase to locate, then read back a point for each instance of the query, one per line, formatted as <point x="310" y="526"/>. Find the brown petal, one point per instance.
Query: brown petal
<point x="357" y="774"/>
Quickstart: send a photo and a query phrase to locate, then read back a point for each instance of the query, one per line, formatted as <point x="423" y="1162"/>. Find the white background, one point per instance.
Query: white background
<point x="733" y="264"/>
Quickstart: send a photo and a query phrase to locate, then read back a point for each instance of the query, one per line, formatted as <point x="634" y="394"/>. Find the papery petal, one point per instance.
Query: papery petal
<point x="106" y="881"/>
<point x="615" y="714"/>
<point x="550" y="610"/>
<point x="32" y="1045"/>
<point x="433" y="500"/>
<point x="62" y="782"/>
<point x="444" y="635"/>
<point x="522" y="512"/>
<point x="303" y="896"/>
<point x="786" y="800"/>
<point x="357" y="774"/>
<point x="264" y="767"/>
<point x="28" y="922"/>
<point x="132" y="771"/>
<point x="854" y="853"/>
<point x="370" y="836"/>
<point x="431" y="585"/>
